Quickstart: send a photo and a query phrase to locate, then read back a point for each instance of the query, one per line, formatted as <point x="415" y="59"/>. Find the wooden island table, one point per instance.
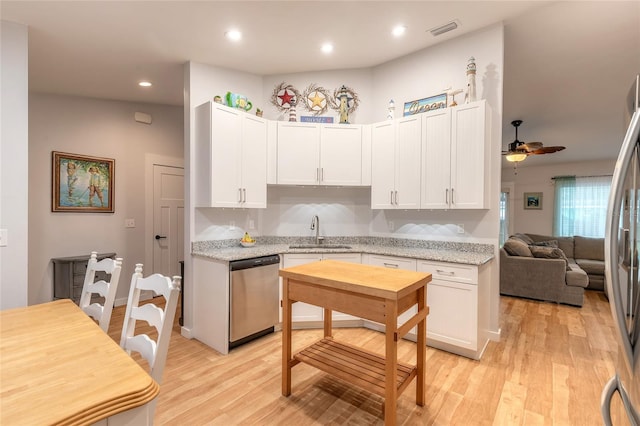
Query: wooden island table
<point x="370" y="292"/>
<point x="58" y="367"/>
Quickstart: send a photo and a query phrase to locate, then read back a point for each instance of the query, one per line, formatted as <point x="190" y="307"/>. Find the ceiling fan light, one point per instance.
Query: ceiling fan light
<point x="516" y="157"/>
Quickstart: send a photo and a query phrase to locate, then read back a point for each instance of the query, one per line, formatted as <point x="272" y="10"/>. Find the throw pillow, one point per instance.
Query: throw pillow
<point x="517" y="247"/>
<point x="549" y="243"/>
<point x="549" y="253"/>
<point x="524" y="237"/>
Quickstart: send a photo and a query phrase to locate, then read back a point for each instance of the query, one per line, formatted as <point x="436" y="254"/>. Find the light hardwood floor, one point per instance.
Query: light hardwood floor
<point x="548" y="368"/>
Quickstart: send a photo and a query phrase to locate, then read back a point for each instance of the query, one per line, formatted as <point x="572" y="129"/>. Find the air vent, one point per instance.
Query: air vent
<point x="444" y="28"/>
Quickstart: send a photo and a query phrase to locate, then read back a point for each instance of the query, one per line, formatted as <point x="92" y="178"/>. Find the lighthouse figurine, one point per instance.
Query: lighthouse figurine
<point x="471" y="80"/>
<point x="391" y="110"/>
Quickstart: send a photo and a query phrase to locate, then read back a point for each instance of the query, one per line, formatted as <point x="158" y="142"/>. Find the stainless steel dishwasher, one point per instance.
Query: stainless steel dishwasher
<point x="254" y="298"/>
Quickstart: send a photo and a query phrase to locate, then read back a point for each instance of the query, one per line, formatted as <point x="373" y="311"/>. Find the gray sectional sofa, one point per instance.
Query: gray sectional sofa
<point x="555" y="269"/>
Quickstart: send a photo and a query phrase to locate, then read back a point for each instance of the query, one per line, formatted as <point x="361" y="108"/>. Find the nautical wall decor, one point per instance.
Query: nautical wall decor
<point x="316" y="99"/>
<point x="284" y="97"/>
<point x="425" y="104"/>
<point x="345" y="101"/>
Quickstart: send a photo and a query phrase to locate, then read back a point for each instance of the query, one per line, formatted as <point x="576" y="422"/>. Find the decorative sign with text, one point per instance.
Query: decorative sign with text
<point x="315" y="119"/>
<point x="426" y="104"/>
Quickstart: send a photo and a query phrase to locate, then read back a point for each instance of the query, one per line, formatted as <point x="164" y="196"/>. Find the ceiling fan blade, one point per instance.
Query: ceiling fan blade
<point x="547" y="150"/>
<point x="532" y="146"/>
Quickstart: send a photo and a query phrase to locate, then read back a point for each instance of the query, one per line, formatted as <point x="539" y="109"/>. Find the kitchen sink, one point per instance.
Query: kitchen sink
<point x="318" y="246"/>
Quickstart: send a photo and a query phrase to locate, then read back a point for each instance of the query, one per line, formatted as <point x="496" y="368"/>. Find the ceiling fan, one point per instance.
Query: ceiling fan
<point x="519" y="151"/>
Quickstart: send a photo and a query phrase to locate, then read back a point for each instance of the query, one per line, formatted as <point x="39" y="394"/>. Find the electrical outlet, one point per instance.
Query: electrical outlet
<point x="392" y="225"/>
<point x="252" y="225"/>
<point x="232" y="224"/>
<point x="129" y="223"/>
<point x="4" y="237"/>
<point x="460" y="229"/>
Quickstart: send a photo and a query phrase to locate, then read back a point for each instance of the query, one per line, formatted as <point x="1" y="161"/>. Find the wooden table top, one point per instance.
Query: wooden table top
<point x="370" y="280"/>
<point x="57" y="366"/>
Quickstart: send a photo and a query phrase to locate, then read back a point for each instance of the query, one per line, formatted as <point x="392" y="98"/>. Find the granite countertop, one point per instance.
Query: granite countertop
<point x="441" y="251"/>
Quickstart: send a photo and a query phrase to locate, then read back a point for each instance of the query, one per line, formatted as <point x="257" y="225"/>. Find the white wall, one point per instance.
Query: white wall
<point x="103" y="129"/>
<point x="538" y="179"/>
<point x="14" y="164"/>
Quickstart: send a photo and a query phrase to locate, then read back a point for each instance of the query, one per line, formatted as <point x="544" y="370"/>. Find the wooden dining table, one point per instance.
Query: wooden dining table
<point x="58" y="367"/>
<point x="370" y="292"/>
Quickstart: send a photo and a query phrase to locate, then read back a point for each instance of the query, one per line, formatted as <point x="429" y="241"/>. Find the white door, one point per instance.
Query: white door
<point x="168" y="219"/>
<point x="436" y="159"/>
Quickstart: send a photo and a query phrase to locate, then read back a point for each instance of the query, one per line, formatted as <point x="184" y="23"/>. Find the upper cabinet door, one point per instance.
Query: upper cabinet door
<point x="383" y="169"/>
<point x="470" y="153"/>
<point x="254" y="161"/>
<point x="341" y="155"/>
<point x="298" y="153"/>
<point x="436" y="159"/>
<point x="408" y="162"/>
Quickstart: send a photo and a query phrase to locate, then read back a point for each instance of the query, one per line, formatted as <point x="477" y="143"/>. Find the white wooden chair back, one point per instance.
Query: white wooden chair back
<point x="106" y="289"/>
<point x="155" y="352"/>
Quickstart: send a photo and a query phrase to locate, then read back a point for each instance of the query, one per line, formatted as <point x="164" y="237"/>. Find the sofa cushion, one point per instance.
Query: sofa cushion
<point x="516" y="247"/>
<point x="548" y="243"/>
<point x="591" y="267"/>
<point x="549" y="253"/>
<point x="588" y="248"/>
<point x="564" y="243"/>
<point x="576" y="277"/>
<point x="524" y="237"/>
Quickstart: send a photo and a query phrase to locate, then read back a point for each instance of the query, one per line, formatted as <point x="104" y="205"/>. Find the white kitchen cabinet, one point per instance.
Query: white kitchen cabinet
<point x="455" y="157"/>
<point x="457" y="297"/>
<point x="303" y="312"/>
<point x="395" y="163"/>
<point x="231" y="158"/>
<point x="298" y="153"/>
<point x="315" y="154"/>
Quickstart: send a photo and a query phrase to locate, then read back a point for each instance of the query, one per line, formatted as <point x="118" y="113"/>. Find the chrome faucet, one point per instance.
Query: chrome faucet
<point x="315" y="224"/>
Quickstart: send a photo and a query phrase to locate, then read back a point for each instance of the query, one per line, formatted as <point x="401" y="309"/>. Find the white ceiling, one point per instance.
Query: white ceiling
<point x="568" y="65"/>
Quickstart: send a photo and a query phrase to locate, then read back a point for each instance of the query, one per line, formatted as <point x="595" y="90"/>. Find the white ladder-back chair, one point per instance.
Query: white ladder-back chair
<point x="106" y="289"/>
<point x="155" y="352"/>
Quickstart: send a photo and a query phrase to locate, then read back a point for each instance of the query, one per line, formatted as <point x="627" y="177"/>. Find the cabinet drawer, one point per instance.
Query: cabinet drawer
<point x="467" y="274"/>
<point x="392" y="262"/>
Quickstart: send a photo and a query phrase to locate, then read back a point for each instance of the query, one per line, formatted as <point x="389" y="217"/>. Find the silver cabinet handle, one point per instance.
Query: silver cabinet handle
<point x="443" y="272"/>
<point x="446" y="196"/>
<point x="318" y="174"/>
<point x="391" y="199"/>
<point x="239" y="195"/>
<point x="391" y="265"/>
<point x="452" y="200"/>
<point x="396" y="198"/>
<point x="244" y="195"/>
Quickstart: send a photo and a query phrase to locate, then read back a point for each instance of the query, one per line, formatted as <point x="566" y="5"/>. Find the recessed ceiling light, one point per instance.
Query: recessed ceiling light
<point x="145" y="84"/>
<point x="327" y="48"/>
<point x="398" y="30"/>
<point x="233" y="35"/>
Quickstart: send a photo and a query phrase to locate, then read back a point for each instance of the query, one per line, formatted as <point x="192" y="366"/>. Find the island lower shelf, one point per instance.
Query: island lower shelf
<point x="354" y="365"/>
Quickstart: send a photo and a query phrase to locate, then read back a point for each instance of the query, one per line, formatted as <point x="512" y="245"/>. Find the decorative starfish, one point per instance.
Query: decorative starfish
<point x="286" y="97"/>
<point x="316" y="99"/>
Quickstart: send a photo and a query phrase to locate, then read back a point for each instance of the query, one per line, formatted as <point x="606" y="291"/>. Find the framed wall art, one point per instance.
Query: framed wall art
<point x="81" y="183"/>
<point x="533" y="200"/>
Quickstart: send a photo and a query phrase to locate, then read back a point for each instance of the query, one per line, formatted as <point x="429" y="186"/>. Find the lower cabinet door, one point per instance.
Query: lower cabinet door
<point x="453" y="313"/>
<point x="303" y="312"/>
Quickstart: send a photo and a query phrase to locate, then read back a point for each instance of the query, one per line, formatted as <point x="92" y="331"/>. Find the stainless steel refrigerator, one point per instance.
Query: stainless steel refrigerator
<point x="622" y="246"/>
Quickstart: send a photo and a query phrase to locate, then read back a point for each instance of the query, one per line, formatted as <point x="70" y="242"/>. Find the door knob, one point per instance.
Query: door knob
<point x="160" y="237"/>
